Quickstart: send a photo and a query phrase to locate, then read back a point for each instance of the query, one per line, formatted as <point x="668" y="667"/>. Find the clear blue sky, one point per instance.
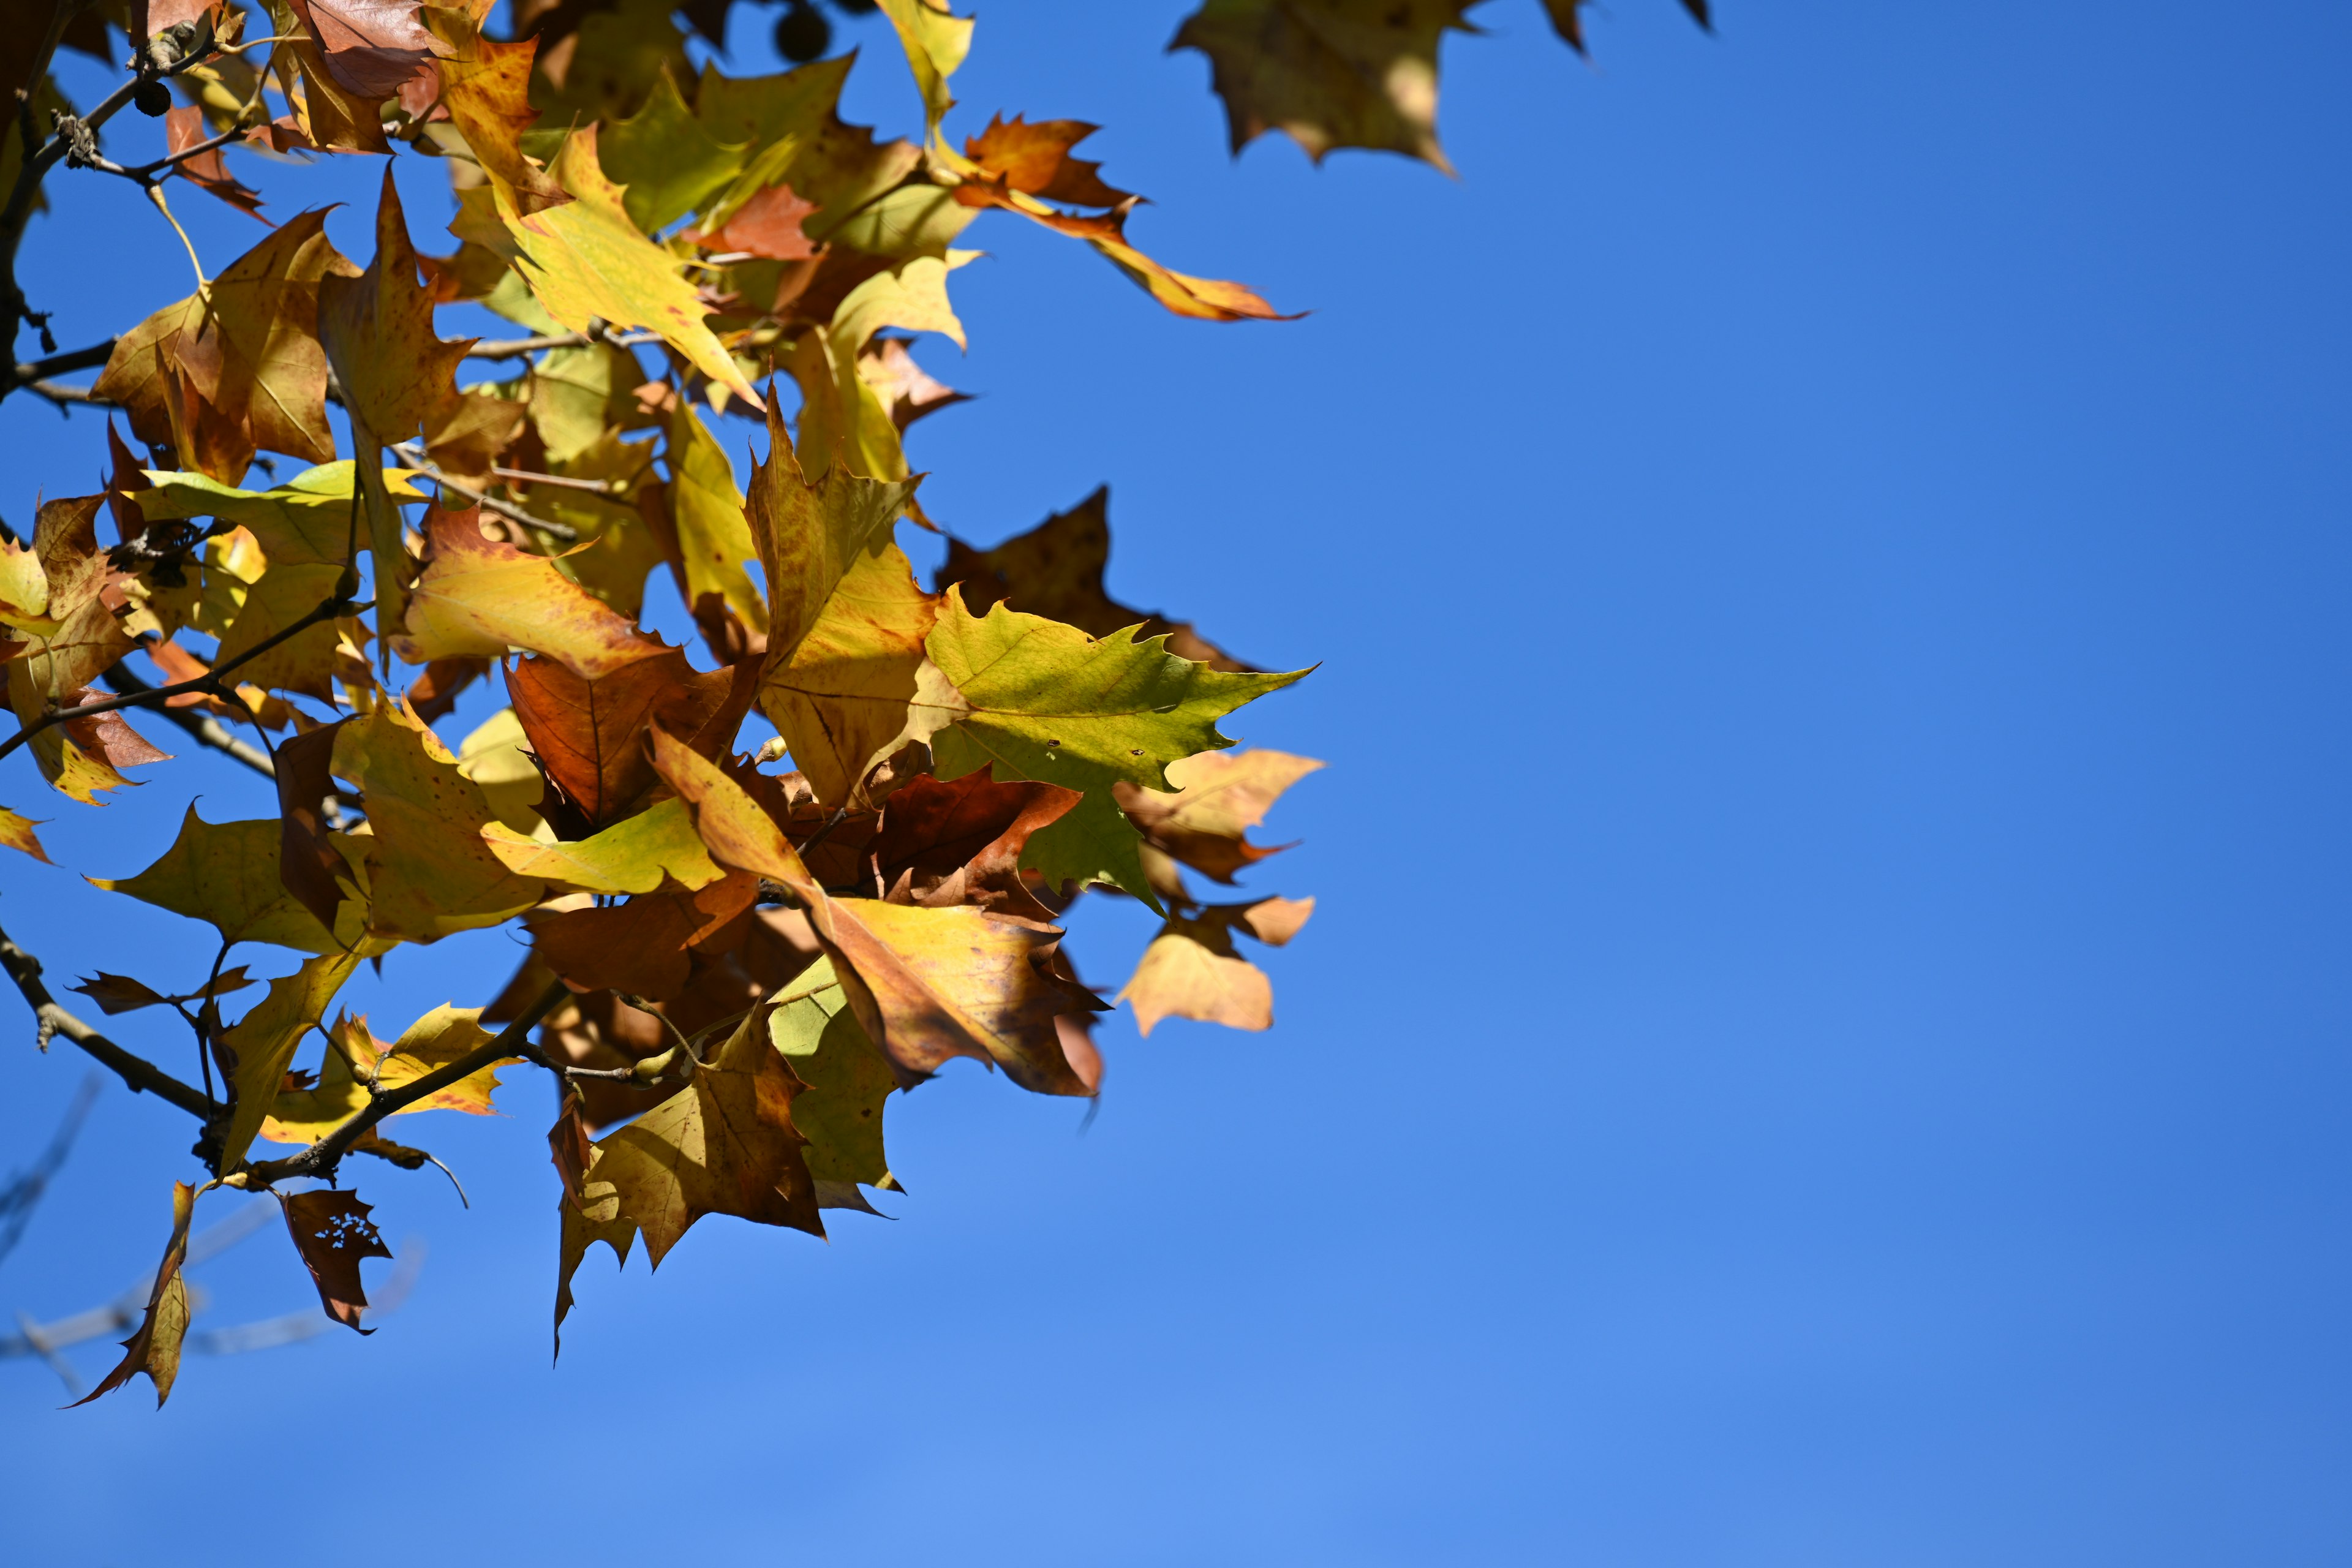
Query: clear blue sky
<point x="1823" y="1040"/>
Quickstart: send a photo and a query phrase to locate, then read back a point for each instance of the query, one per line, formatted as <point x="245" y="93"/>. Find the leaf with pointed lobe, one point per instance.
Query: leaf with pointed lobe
<point x="639" y="946"/>
<point x="1055" y="570"/>
<point x="434" y="693"/>
<point x="121" y="994"/>
<point x="467" y="437"/>
<point x="154" y="1348"/>
<point x="253" y="350"/>
<point x="843" y="698"/>
<point x="904" y="387"/>
<point x="586" y="260"/>
<point x="960" y="842"/>
<point x="225" y="874"/>
<point x="634" y="856"/>
<point x="810" y="533"/>
<point x="767" y="223"/>
<point x="254" y="1053"/>
<point x="308" y="662"/>
<point x="479" y="597"/>
<point x="1220" y="795"/>
<point x="332" y="1233"/>
<point x="1198" y="299"/>
<point x="912" y="295"/>
<point x="303" y="523"/>
<point x="1034" y="158"/>
<point x="624" y="50"/>
<point x="1330" y="73"/>
<point x="842" y="420"/>
<point x="495" y="754"/>
<point x="428" y="872"/>
<point x="668" y="162"/>
<point x="589" y="735"/>
<point x="397" y="372"/>
<point x="1191" y="970"/>
<point x="845" y="1086"/>
<point x="714" y="540"/>
<point x="486" y="88"/>
<point x="17" y="833"/>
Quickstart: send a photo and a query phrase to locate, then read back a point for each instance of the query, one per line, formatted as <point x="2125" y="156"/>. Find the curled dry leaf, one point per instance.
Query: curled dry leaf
<point x="332" y="1232"/>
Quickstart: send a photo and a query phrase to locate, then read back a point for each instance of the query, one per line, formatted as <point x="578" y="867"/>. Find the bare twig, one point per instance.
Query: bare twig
<point x="321" y="1158"/>
<point x="143" y="1075"/>
<point x="520" y="348"/>
<point x="508" y="510"/>
<point x="24" y="1191"/>
<point x="90" y="358"/>
<point x="65" y="397"/>
<point x="206" y="730"/>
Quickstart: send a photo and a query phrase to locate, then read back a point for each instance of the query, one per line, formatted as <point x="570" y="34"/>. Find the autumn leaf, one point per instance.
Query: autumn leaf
<point x="903" y="387"/>
<point x="714" y="540"/>
<point x="254" y="1052"/>
<point x="768" y="223"/>
<point x="308" y="662"/>
<point x="668" y="161"/>
<point x="372" y="47"/>
<point x="17" y="833"/>
<point x="723" y="1144"/>
<point x="154" y="1348"/>
<point x="1220" y="795"/>
<point x="305" y="521"/>
<point x="936" y="44"/>
<point x="960" y="842"/>
<point x="208" y="172"/>
<point x="428" y="871"/>
<point x="332" y="1233"/>
<point x="844" y="1084"/>
<point x="589" y="734"/>
<point x="639" y="946"/>
<point x="1191" y="970"/>
<point x="1055" y="570"/>
<point x="355" y="1059"/>
<point x="630" y="856"/>
<point x="1035" y="158"/>
<point x="843" y="698"/>
<point x="480" y="597"/>
<point x="485" y="87"/>
<point x="1331" y="73"/>
<point x="587" y="261"/>
<point x="121" y="994"/>
<point x="225" y="874"/>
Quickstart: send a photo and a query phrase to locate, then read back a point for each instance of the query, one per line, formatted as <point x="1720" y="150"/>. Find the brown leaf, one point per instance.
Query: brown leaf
<point x="332" y="1232"/>
<point x="590" y="734"/>
<point x="960" y="842"/>
<point x="308" y="862"/>
<point x="639" y="946"/>
<point x="397" y="374"/>
<point x="434" y="693"/>
<point x="470" y="434"/>
<point x="1055" y="570"/>
<point x="186" y="128"/>
<point x="1191" y="970"/>
<point x="905" y="388"/>
<point x="154" y="1347"/>
<point x="128" y="479"/>
<point x="121" y="994"/>
<point x="1220" y="795"/>
<point x="1035" y="158"/>
<point x="372" y="47"/>
<point x="769" y="226"/>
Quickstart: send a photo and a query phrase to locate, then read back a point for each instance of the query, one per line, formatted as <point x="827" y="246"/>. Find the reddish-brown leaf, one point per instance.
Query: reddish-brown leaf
<point x="372" y="47"/>
<point x="769" y="224"/>
<point x="589" y="735"/>
<point x="332" y="1232"/>
<point x="308" y="862"/>
<point x="186" y="128"/>
<point x="1035" y="158"/>
<point x="960" y="842"/>
<point x="639" y="946"/>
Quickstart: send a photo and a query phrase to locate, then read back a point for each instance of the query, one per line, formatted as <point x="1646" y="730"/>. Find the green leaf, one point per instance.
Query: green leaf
<point x="629" y="857"/>
<point x="304" y="521"/>
<point x="714" y="540"/>
<point x="840" y="1110"/>
<point x="669" y="161"/>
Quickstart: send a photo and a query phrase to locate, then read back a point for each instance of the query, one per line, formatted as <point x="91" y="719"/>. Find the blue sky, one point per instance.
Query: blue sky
<point x="1823" y="1036"/>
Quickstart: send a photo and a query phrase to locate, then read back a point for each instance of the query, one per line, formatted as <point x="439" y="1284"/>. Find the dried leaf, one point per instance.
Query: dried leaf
<point x="481" y="598"/>
<point x="254" y="1053"/>
<point x="1220" y="795"/>
<point x="1191" y="970"/>
<point x="332" y="1232"/>
<point x="121" y="994"/>
<point x="154" y="1348"/>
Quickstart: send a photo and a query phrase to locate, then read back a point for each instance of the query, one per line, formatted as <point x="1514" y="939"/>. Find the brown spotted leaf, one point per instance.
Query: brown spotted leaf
<point x="332" y="1232"/>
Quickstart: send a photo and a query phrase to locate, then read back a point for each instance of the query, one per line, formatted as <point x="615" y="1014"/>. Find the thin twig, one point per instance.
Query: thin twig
<point x="143" y="1075"/>
<point x="563" y="530"/>
<point x="320" y="1158"/>
<point x="90" y="358"/>
<point x="520" y="348"/>
<point x="206" y="730"/>
<point x="210" y="683"/>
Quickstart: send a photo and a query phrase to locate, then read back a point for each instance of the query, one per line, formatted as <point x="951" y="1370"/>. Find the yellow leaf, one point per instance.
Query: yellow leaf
<point x="256" y="1051"/>
<point x="1191" y="970"/>
<point x="842" y="698"/>
<point x="630" y="856"/>
<point x="17" y="833"/>
<point x="305" y="521"/>
<point x="307" y="662"/>
<point x="225" y="874"/>
<point x="429" y="873"/>
<point x="713" y="539"/>
<point x="936" y="44"/>
<point x="586" y="260"/>
<point x="484" y="597"/>
<point x="154" y="1348"/>
<point x="809" y="536"/>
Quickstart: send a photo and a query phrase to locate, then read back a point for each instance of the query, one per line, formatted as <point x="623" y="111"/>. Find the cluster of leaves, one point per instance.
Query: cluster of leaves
<point x="734" y="960"/>
<point x="732" y="965"/>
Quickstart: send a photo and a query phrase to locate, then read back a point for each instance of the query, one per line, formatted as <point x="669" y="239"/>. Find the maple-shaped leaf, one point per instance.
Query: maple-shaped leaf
<point x="844" y="1084"/>
<point x="1220" y="795"/>
<point x="486" y="88"/>
<point x="589" y="735"/>
<point x="843" y="700"/>
<point x="842" y="420"/>
<point x="428" y="871"/>
<point x="1200" y="299"/>
<point x="356" y="1058"/>
<point x="632" y="855"/>
<point x="1040" y="699"/>
<point x="312" y="868"/>
<point x="121" y="994"/>
<point x="929" y="985"/>
<point x="371" y="47"/>
<point x="1191" y="970"/>
<point x="1055" y="570"/>
<point x="17" y="833"/>
<point x="254" y="1053"/>
<point x="790" y="123"/>
<point x="306" y="521"/>
<point x="1035" y="158"/>
<point x="667" y="160"/>
<point x="396" y="374"/>
<point x="586" y="260"/>
<point x="225" y="874"/>
<point x="714" y="540"/>
<point x="75" y="637"/>
<point x="810" y="533"/>
<point x="1331" y="73"/>
<point x="480" y="597"/>
<point x="639" y="946"/>
<point x="154" y="1348"/>
<point x="723" y="1144"/>
<point x="332" y="1232"/>
<point x="184" y="129"/>
<point x="623" y="49"/>
<point x="310" y="660"/>
<point x="238" y="365"/>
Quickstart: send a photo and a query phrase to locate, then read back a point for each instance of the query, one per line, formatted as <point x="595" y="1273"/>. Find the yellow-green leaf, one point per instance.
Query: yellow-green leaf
<point x="305" y="521"/>
<point x="257" y="1050"/>
<point x="630" y="856"/>
<point x="225" y="874"/>
<point x="714" y="540"/>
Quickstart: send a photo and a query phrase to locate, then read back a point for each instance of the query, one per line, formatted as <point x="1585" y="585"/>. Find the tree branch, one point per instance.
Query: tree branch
<point x="522" y="348"/>
<point x="205" y="728"/>
<point x="320" y="1158"/>
<point x="335" y="605"/>
<point x="143" y="1075"/>
<point x="409" y="459"/>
